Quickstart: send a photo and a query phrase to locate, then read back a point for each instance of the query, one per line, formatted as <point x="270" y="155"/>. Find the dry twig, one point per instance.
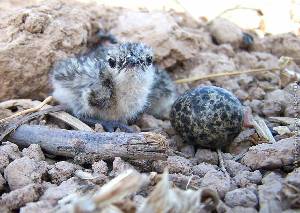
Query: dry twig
<point x="221" y="163"/>
<point x="61" y="116"/>
<point x="10" y="127"/>
<point x="283" y="62"/>
<point x="262" y="130"/>
<point x="90" y="146"/>
<point x="24" y="112"/>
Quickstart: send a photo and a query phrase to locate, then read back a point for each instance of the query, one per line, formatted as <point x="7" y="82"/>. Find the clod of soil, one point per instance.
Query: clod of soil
<point x="19" y="197"/>
<point x="245" y="197"/>
<point x="62" y="171"/>
<point x="272" y="156"/>
<point x="34" y="151"/>
<point x="24" y="171"/>
<point x="34" y="38"/>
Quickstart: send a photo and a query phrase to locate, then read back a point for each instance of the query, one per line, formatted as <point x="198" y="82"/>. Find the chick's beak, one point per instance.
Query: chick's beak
<point x="131" y="61"/>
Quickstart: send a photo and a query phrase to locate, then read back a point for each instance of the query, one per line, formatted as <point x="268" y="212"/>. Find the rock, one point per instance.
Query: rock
<point x="216" y="180"/>
<point x="252" y="60"/>
<point x="206" y="63"/>
<point x="269" y="193"/>
<point x="294" y="178"/>
<point x="55" y="193"/>
<point x="2" y="182"/>
<point x="19" y="197"/>
<point x="255" y="105"/>
<point x="207" y="156"/>
<point x="149" y="122"/>
<point x="286" y="44"/>
<point x="183" y="181"/>
<point x="257" y="93"/>
<point x="188" y="150"/>
<point x="8" y="5"/>
<point x="242" y="142"/>
<point x="234" y="168"/>
<point x="202" y="168"/>
<point x="224" y="49"/>
<point x="38" y="207"/>
<point x="4" y="113"/>
<point x="159" y="165"/>
<point x="176" y="143"/>
<point x="120" y="166"/>
<point x="226" y="32"/>
<point x="241" y="197"/>
<point x="24" y="171"/>
<point x="100" y="167"/>
<point x="272" y="156"/>
<point x="241" y="95"/>
<point x="62" y="171"/>
<point x="8" y="152"/>
<point x="11" y="150"/>
<point x="282" y="130"/>
<point x="246" y="178"/>
<point x="272" y="108"/>
<point x="177" y="164"/>
<point x="34" y="151"/>
<point x="276" y="102"/>
<point x="35" y="37"/>
<point x="4" y="161"/>
<point x="172" y="43"/>
<point x="290" y="194"/>
<point x="239" y="209"/>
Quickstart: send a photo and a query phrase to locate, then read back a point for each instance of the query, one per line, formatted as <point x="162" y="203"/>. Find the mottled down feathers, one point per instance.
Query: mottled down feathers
<point x="113" y="83"/>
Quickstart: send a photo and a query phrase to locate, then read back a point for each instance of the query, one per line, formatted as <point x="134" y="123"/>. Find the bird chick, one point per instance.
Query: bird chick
<point x="110" y="83"/>
<point x="162" y="96"/>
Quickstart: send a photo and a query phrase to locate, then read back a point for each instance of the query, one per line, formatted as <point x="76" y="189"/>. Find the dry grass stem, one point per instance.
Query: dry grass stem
<point x="61" y="116"/>
<point x="33" y="109"/>
<point x="283" y="62"/>
<point x="262" y="129"/>
<point x="221" y="163"/>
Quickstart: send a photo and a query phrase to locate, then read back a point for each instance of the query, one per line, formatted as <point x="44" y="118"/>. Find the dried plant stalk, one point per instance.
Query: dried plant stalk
<point x="165" y="198"/>
<point x="62" y="116"/>
<point x="92" y="145"/>
<point x="283" y="62"/>
<point x="262" y="129"/>
<point x="33" y="109"/>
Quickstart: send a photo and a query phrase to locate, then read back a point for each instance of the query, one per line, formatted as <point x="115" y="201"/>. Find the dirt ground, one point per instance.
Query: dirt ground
<point x="263" y="176"/>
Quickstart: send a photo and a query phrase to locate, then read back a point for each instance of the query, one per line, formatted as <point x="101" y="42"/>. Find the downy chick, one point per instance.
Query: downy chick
<point x="112" y="85"/>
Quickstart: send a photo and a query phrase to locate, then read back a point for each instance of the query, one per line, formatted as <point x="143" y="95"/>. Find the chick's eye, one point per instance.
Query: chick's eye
<point x="112" y="62"/>
<point x="149" y="60"/>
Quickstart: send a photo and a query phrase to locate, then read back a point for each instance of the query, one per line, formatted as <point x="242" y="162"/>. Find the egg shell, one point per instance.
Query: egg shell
<point x="207" y="116"/>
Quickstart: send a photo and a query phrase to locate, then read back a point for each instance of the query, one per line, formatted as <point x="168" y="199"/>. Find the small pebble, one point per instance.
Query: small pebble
<point x="241" y="197"/>
<point x="34" y="151"/>
<point x="206" y="155"/>
<point x="62" y="171"/>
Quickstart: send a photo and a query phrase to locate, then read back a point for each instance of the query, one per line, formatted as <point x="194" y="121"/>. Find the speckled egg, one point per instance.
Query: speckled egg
<point x="208" y="116"/>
